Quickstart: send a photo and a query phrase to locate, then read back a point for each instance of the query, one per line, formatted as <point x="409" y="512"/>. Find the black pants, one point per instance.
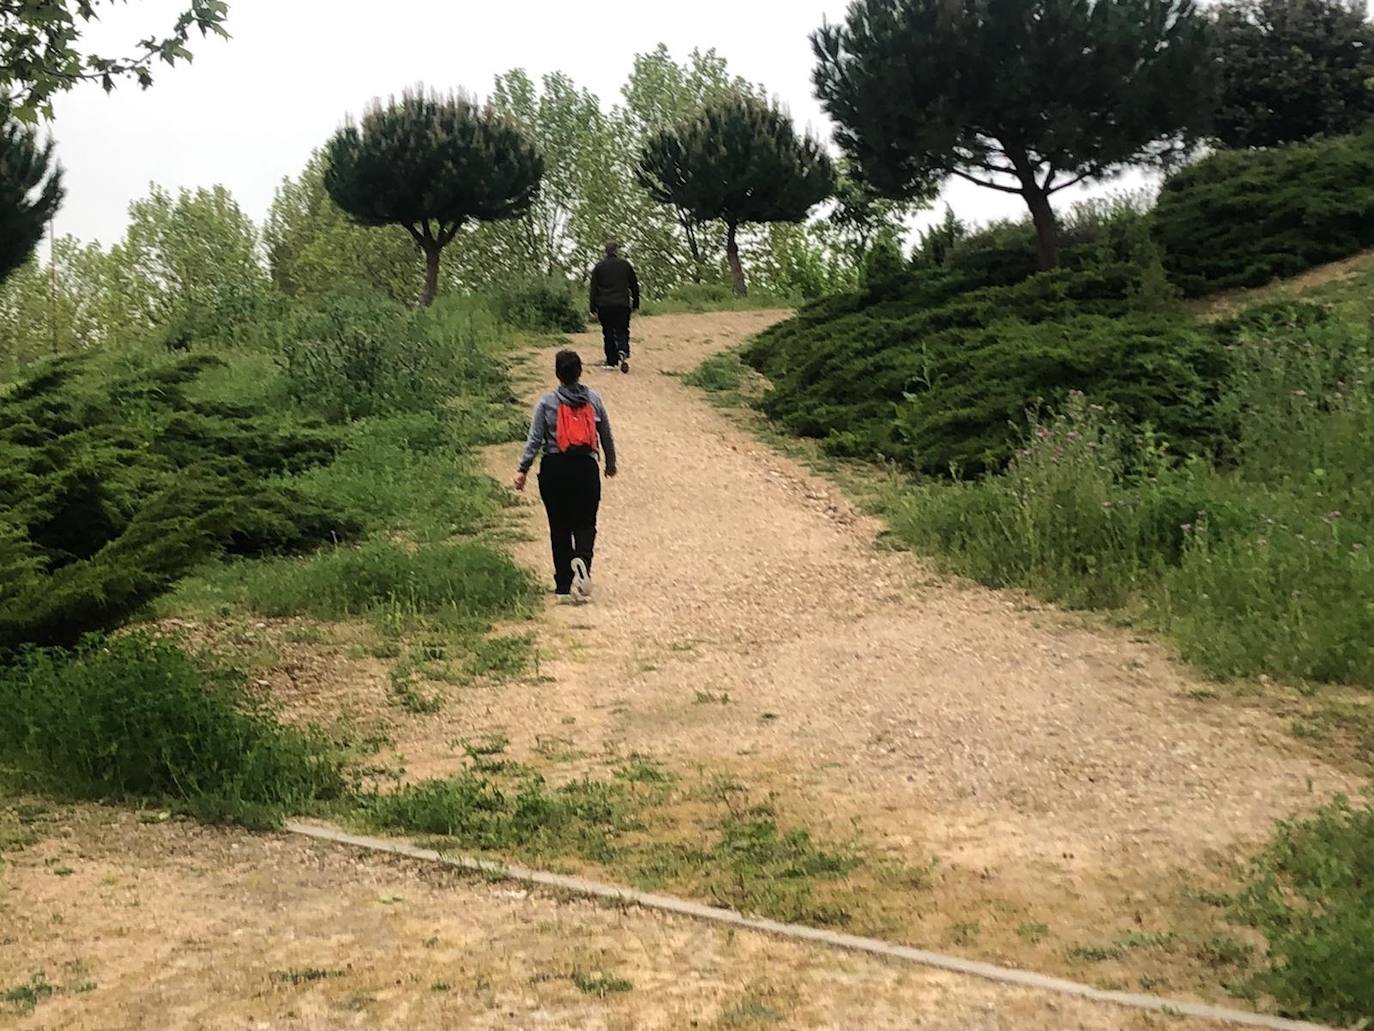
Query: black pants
<point x="615" y="330"/>
<point x="570" y="486"/>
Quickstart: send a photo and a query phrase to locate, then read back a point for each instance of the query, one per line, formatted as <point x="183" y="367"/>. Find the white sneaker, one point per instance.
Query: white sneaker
<point x="582" y="580"/>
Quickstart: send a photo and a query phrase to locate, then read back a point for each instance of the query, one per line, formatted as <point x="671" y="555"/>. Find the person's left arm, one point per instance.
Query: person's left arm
<point x="603" y="427"/>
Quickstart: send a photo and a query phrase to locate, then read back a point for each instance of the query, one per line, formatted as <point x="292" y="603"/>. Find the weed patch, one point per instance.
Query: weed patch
<point x="138" y="719"/>
<point x="1309" y="895"/>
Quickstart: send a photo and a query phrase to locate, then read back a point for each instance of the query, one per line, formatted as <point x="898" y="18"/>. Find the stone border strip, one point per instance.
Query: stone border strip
<point x="795" y="932"/>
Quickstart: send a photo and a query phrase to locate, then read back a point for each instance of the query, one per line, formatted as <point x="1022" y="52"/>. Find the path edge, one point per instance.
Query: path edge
<point x="798" y="932"/>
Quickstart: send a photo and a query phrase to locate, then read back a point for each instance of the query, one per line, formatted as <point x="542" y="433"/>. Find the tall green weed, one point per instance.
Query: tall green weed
<point x="136" y="718"/>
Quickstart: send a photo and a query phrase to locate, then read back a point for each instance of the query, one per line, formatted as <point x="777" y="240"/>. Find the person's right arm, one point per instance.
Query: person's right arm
<point x="533" y="443"/>
<point x="591" y="291"/>
<point x="634" y="288"/>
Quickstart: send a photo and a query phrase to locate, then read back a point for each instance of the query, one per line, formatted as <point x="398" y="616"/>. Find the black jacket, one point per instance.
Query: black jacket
<point x="614" y="285"/>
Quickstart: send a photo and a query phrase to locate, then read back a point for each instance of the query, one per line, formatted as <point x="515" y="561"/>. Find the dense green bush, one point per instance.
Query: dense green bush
<point x="539" y="306"/>
<point x="1311" y="897"/>
<point x="1244" y="218"/>
<point x="137" y="719"/>
<point x="114" y="484"/>
<point x="359" y="354"/>
<point x="935" y="374"/>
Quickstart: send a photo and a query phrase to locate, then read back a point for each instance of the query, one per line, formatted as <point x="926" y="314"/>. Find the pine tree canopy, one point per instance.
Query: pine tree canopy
<point x="30" y="190"/>
<point x="741" y="161"/>
<point x="1024" y="96"/>
<point x="432" y="164"/>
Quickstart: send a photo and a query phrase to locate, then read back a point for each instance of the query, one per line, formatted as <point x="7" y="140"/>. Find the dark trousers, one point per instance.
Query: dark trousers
<point x="570" y="486"/>
<point x="615" y="330"/>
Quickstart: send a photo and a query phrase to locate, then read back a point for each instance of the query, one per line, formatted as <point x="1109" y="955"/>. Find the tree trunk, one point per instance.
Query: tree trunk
<point x="1046" y="226"/>
<point x="433" y="251"/>
<point x="736" y="269"/>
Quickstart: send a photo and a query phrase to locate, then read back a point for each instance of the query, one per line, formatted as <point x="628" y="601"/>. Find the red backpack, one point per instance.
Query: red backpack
<point x="576" y="428"/>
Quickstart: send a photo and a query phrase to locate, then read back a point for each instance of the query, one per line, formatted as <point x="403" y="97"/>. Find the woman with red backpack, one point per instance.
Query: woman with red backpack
<point x="569" y="427"/>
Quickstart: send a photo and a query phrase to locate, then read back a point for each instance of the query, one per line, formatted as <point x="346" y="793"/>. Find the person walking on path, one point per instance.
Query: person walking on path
<point x="569" y="427"/>
<point x="614" y="297"/>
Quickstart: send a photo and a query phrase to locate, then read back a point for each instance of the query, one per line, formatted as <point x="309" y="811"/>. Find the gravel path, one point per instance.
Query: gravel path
<point x="991" y="730"/>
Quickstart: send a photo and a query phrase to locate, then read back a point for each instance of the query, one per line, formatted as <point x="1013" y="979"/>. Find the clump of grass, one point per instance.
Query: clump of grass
<point x="531" y="817"/>
<point x="26" y="997"/>
<point x="138" y="719"/>
<point x="738" y="856"/>
<point x="1310" y="896"/>
<point x="719" y="374"/>
<point x="459" y="586"/>
<point x="600" y="985"/>
<point x="406" y="473"/>
<point x="307" y="975"/>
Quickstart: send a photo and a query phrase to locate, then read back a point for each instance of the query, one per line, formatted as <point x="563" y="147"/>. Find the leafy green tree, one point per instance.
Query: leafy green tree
<point x="740" y="162"/>
<point x="1289" y="70"/>
<point x="41" y="53"/>
<point x="565" y="228"/>
<point x="669" y="242"/>
<point x="861" y="215"/>
<point x="30" y="191"/>
<point x="432" y="164"/>
<point x="1025" y="96"/>
<point x="313" y="248"/>
<point x="188" y="256"/>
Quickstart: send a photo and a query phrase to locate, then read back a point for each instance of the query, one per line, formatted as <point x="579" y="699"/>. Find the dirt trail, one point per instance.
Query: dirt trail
<point x="989" y="731"/>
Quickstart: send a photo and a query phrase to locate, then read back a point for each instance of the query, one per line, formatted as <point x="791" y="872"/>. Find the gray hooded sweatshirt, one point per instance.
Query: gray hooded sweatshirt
<point x="544" y="424"/>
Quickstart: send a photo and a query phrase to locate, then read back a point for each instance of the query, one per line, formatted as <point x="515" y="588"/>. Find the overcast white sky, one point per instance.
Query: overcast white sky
<point x="249" y="111"/>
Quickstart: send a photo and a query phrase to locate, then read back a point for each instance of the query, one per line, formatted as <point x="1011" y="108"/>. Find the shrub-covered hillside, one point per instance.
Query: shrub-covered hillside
<point x="935" y="375"/>
<point x="1247" y="217"/>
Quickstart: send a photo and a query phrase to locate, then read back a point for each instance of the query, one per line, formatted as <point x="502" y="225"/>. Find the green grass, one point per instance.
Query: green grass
<point x="1310" y="896"/>
<point x="643" y="827"/>
<point x="463" y="587"/>
<point x="136" y="719"/>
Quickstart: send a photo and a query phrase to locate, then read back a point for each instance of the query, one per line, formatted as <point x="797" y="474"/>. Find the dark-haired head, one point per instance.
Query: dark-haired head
<point x="612" y="249"/>
<point x="568" y="366"/>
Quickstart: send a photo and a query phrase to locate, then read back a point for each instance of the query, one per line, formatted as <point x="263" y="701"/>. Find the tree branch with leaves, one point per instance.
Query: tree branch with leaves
<point x="41" y="54"/>
<point x="30" y="190"/>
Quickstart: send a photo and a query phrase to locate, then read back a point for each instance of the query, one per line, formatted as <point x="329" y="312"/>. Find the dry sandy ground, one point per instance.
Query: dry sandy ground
<point x="744" y="624"/>
<point x="178" y="927"/>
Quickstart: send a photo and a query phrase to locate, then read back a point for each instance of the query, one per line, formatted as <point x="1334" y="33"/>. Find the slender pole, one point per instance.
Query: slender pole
<point x="52" y="282"/>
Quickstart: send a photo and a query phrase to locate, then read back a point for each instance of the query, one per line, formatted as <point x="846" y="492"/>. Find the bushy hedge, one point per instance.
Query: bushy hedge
<point x="539" y="306"/>
<point x="114" y="486"/>
<point x="1243" y="218"/>
<point x="935" y="374"/>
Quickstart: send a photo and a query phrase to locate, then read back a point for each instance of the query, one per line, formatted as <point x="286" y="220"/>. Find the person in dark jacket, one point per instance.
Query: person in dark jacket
<point x="569" y="482"/>
<point x="614" y="296"/>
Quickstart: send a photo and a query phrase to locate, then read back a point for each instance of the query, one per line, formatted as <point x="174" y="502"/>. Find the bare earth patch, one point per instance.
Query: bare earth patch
<point x="177" y="926"/>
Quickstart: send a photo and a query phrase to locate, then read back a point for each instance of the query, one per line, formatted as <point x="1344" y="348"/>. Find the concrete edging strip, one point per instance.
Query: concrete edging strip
<point x="796" y="932"/>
